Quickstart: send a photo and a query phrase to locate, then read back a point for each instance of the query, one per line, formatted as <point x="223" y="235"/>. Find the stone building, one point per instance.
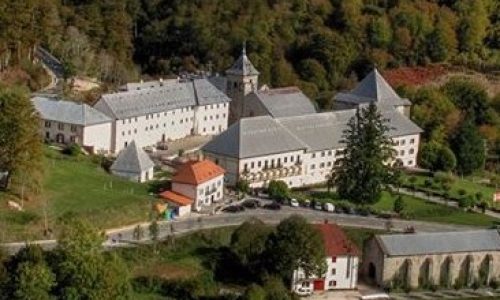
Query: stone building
<point x="134" y="164"/>
<point x="423" y="260"/>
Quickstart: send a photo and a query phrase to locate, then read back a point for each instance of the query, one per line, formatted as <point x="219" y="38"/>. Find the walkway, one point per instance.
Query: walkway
<point x="198" y="222"/>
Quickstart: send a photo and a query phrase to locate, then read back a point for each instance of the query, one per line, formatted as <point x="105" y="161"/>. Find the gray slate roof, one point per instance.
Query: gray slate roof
<point x="68" y="112"/>
<point x="251" y="137"/>
<point x="284" y="102"/>
<point x="146" y="84"/>
<point x="132" y="159"/>
<point x="257" y="136"/>
<point x="242" y="66"/>
<point x="373" y="88"/>
<point x="440" y="242"/>
<point x="169" y="96"/>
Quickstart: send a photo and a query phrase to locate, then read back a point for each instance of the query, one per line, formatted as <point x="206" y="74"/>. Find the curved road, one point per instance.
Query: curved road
<point x="123" y="237"/>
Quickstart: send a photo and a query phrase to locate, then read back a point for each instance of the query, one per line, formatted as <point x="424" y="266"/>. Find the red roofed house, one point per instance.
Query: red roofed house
<point x="342" y="258"/>
<point x="196" y="184"/>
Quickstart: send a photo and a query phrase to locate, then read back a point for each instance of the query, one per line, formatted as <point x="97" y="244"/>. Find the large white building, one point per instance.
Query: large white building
<point x="342" y="263"/>
<point x="164" y="111"/>
<point x="302" y="147"/>
<point x="67" y="122"/>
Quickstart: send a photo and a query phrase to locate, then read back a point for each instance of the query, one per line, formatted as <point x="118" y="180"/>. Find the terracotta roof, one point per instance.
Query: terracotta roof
<point x="196" y="172"/>
<point x="336" y="242"/>
<point x="175" y="198"/>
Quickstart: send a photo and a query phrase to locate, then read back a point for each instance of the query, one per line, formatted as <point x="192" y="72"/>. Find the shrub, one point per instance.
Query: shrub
<point x="72" y="150"/>
<point x="462" y="192"/>
<point x="444" y="178"/>
<point x="278" y="189"/>
<point x="399" y="204"/>
<point x="428" y="183"/>
<point x="363" y="210"/>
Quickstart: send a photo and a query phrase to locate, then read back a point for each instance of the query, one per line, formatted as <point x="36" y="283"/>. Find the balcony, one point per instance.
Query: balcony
<point x="272" y="173"/>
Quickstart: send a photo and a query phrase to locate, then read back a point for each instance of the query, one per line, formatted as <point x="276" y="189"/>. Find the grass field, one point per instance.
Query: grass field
<point x="77" y="187"/>
<point x="466" y="184"/>
<point x="419" y="209"/>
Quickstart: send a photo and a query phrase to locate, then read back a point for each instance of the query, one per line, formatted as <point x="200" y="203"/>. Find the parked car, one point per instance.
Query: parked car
<point x="294" y="202"/>
<point x="306" y="203"/>
<point x="272" y="206"/>
<point x="303" y="292"/>
<point x="233" y="208"/>
<point x="318" y="206"/>
<point x="251" y="203"/>
<point x="329" y="207"/>
<point x="339" y="209"/>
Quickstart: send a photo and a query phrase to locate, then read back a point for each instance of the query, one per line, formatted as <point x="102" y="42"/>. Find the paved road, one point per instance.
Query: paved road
<point x="182" y="226"/>
<point x="55" y="70"/>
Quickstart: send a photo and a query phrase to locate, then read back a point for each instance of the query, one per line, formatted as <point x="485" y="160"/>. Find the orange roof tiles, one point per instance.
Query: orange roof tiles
<point x="335" y="240"/>
<point x="178" y="199"/>
<point x="196" y="172"/>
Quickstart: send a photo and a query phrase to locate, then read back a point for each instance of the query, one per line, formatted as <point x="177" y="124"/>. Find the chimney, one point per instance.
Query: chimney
<point x="200" y="156"/>
<point x="142" y="81"/>
<point x="161" y="79"/>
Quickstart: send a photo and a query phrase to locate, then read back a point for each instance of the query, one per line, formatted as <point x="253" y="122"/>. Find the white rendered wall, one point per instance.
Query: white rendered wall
<point x="407" y="149"/>
<point x="98" y="136"/>
<point x="214" y="187"/>
<point x="211" y="119"/>
<point x="345" y="276"/>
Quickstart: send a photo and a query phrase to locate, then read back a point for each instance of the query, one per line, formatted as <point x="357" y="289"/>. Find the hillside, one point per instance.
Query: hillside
<point x="320" y="45"/>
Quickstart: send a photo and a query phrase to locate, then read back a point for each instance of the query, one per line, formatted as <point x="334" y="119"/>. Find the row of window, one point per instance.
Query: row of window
<point x="272" y="163"/>
<point x="60" y="126"/>
<point x="211" y="189"/>
<point x="184" y="109"/>
<point x="216" y="117"/>
<point x="329" y="153"/>
<point x="402" y="152"/>
<point x="327" y="164"/>
<point x="402" y="142"/>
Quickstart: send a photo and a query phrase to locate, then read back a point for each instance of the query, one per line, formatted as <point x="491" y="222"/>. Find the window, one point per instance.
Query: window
<point x="135" y="130"/>
<point x="285" y="159"/>
<point x="322" y="153"/>
<point x="334" y="259"/>
<point x="200" y="192"/>
<point x="291" y="158"/>
<point x="410" y="162"/>
<point x="205" y="118"/>
<point x="204" y="129"/>
<point x="403" y="142"/>
<point x="305" y="284"/>
<point x="412" y="151"/>
<point x="123" y="121"/>
<point x="245" y="167"/>
<point x="72" y="139"/>
<point x="146" y="128"/>
<point x="123" y="133"/>
<point x="136" y="119"/>
<point x="329" y="152"/>
<point x="129" y="132"/>
<point x="73" y="128"/>
<point x="60" y="126"/>
<point x="313" y="167"/>
<point x="334" y="271"/>
<point x="332" y="283"/>
<point x="412" y="141"/>
<point x="348" y="273"/>
<point x="147" y="117"/>
<point x="258" y="164"/>
<point x="329" y="164"/>
<point x="165" y="114"/>
<point x="213" y="128"/>
<point x="157" y="126"/>
<point x="252" y="165"/>
<point x="322" y="165"/>
<point x="224" y="115"/>
<point x="313" y="155"/>
<point x="47" y="124"/>
<point x="402" y="153"/>
<point x="211" y="117"/>
<point x="151" y="127"/>
<point x="130" y="120"/>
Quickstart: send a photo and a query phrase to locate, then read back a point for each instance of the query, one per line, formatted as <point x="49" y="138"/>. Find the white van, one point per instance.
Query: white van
<point x="329" y="207"/>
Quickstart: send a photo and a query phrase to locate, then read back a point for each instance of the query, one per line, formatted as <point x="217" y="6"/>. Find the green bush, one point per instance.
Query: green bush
<point x="23" y="217"/>
<point x="462" y="192"/>
<point x="72" y="150"/>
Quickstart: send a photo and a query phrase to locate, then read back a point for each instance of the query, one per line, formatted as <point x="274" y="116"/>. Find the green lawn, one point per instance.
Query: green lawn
<point x="467" y="184"/>
<point x="425" y="211"/>
<point x="77" y="187"/>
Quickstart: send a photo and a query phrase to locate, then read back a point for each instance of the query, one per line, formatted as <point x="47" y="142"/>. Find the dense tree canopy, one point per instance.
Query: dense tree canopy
<point x="288" y="41"/>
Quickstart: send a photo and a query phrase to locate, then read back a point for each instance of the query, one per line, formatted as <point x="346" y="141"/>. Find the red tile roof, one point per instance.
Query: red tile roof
<point x="175" y="198"/>
<point x="196" y="172"/>
<point x="336" y="242"/>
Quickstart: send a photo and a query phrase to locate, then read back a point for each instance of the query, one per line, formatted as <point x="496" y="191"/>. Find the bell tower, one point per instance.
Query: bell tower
<point x="242" y="79"/>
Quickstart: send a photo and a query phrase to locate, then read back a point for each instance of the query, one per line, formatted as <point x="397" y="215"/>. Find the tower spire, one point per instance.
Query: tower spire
<point x="244" y="50"/>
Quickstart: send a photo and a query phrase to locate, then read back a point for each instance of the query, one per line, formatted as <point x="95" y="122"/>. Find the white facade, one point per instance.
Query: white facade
<point x="300" y="168"/>
<point x="141" y="176"/>
<point x="341" y="274"/>
<point x="203" y="194"/>
<point x="96" y="136"/>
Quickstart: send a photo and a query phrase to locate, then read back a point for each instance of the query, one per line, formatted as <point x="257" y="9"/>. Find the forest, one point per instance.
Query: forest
<point x="319" y="45"/>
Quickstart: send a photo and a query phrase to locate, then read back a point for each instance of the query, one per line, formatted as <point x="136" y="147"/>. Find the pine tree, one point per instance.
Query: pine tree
<point x="365" y="167"/>
<point x="469" y="148"/>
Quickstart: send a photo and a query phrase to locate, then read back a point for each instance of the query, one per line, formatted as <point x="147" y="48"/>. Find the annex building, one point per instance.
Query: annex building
<point x="444" y="259"/>
<point x="278" y="135"/>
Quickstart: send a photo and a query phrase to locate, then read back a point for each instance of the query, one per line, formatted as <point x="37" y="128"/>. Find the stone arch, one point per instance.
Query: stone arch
<point x="445" y="272"/>
<point x="485" y="268"/>
<point x="402" y="278"/>
<point x="425" y="273"/>
<point x="465" y="276"/>
<point x="372" y="271"/>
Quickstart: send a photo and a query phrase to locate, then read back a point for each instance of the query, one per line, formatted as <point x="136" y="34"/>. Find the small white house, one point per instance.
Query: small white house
<point x="342" y="259"/>
<point x="133" y="163"/>
<point x="68" y="122"/>
<point x="196" y="184"/>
